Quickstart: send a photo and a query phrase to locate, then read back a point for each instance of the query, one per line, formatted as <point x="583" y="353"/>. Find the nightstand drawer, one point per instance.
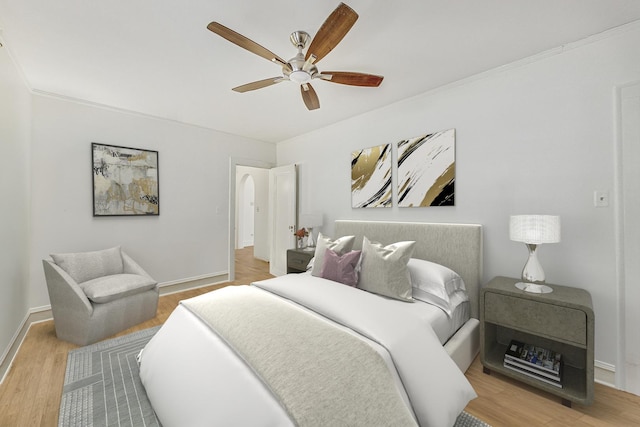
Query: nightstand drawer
<point x="298" y="262"/>
<point x="298" y="259"/>
<point x="550" y="320"/>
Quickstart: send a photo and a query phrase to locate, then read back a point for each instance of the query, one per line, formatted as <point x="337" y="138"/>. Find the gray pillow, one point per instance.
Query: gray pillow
<point x="83" y="266"/>
<point x="383" y="269"/>
<point x="340" y="246"/>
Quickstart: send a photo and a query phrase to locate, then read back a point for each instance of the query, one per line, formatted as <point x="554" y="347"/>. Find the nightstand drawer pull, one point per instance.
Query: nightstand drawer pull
<point x="554" y="321"/>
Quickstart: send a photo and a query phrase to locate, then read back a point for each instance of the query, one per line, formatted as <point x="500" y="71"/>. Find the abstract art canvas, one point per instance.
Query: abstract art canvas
<point x="125" y="181"/>
<point x="371" y="177"/>
<point x="427" y="170"/>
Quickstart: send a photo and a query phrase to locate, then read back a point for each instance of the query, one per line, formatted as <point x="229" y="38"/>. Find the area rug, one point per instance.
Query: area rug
<point x="102" y="387"/>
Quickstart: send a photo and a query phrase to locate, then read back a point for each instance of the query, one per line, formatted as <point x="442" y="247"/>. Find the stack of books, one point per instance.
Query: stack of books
<point x="536" y="362"/>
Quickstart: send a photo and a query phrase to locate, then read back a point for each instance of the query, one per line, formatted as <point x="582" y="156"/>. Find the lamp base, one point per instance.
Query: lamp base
<point x="534" y="288"/>
<point x="310" y="242"/>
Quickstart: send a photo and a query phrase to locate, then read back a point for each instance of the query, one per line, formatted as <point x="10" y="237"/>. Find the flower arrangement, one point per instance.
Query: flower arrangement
<point x="300" y="235"/>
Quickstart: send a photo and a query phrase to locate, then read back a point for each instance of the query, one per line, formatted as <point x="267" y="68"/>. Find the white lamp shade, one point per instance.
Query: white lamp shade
<point x="534" y="229"/>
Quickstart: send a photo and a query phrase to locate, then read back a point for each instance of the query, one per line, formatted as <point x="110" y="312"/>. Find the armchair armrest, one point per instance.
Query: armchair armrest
<point x="131" y="267"/>
<point x="64" y="290"/>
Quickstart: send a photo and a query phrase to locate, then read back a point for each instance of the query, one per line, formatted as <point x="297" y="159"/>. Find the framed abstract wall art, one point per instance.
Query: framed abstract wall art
<point x="125" y="181"/>
<point x="427" y="170"/>
<point x="371" y="177"/>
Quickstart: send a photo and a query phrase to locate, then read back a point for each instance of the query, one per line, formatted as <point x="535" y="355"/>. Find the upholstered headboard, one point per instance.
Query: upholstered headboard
<point x="457" y="246"/>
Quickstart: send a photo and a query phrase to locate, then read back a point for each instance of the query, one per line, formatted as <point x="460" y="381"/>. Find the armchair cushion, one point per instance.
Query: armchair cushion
<point x="109" y="288"/>
<point x="84" y="266"/>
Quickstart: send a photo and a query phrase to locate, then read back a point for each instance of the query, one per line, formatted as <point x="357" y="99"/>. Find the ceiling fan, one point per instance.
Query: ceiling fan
<point x="301" y="68"/>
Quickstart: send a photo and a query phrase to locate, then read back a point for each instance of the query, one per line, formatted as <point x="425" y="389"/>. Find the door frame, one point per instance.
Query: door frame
<point x="233" y="162"/>
<point x="619" y="227"/>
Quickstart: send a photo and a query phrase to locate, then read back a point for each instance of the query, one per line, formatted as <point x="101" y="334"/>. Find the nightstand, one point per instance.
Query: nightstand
<point x="298" y="259"/>
<point x="560" y="321"/>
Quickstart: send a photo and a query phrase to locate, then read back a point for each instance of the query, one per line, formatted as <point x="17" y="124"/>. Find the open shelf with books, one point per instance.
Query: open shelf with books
<point x="562" y="323"/>
<point x="536" y="362"/>
<point x="574" y="374"/>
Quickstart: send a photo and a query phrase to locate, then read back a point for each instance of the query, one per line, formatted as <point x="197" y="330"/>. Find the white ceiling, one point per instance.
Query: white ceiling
<point x="157" y="57"/>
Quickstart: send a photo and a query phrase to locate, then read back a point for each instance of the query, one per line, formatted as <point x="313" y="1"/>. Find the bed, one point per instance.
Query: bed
<point x="304" y="350"/>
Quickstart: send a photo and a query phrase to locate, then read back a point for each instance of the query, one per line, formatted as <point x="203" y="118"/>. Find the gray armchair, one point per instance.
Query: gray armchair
<point x="97" y="294"/>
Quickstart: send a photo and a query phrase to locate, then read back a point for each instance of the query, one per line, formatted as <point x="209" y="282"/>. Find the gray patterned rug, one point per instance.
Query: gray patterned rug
<point x="102" y="387"/>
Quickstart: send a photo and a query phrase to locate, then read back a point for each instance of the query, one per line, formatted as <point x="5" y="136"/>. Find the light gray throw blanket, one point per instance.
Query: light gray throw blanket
<point x="321" y="375"/>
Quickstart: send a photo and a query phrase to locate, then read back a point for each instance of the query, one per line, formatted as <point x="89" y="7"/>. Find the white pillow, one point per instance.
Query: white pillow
<point x="383" y="269"/>
<point x="340" y="246"/>
<point x="436" y="284"/>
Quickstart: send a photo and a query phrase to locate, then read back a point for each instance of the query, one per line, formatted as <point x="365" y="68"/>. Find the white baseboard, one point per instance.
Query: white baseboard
<point x="176" y="286"/>
<point x="10" y="353"/>
<point x="41" y="314"/>
<point x="605" y="374"/>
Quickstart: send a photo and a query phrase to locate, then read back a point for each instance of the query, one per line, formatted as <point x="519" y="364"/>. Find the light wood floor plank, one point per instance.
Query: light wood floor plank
<point x="30" y="394"/>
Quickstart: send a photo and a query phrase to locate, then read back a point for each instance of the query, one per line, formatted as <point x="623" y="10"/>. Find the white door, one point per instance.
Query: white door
<point x="247" y="211"/>
<point x="282" y="216"/>
<point x="630" y="161"/>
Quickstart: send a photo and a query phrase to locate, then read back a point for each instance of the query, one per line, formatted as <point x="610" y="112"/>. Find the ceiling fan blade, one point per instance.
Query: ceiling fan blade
<point x="309" y="96"/>
<point x="258" y="85"/>
<point x="351" y="78"/>
<point x="244" y="42"/>
<point x="332" y="31"/>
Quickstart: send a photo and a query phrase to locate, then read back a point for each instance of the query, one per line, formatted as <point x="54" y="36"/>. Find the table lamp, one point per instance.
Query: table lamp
<point x="534" y="230"/>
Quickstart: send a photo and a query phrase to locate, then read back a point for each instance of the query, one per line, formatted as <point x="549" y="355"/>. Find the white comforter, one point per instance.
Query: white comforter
<point x="192" y="378"/>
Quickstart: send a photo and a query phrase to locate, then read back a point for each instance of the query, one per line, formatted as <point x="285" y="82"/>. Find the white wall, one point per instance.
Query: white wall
<point x="189" y="239"/>
<point x="532" y="137"/>
<point x="15" y="125"/>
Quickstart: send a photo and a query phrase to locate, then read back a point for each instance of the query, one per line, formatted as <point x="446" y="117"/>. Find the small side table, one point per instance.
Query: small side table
<point x="561" y="321"/>
<point x="298" y="259"/>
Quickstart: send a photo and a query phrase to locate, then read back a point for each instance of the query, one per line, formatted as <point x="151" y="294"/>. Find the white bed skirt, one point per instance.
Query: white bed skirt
<point x="188" y="367"/>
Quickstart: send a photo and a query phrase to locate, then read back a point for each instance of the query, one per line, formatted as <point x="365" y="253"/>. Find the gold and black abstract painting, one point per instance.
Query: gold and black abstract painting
<point x="427" y="170"/>
<point x="371" y="177"/>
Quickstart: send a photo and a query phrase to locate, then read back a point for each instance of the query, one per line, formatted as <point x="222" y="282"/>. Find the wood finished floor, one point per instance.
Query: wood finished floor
<point x="30" y="394"/>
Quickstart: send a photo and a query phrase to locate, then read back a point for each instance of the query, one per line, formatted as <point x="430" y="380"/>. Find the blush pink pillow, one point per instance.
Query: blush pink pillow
<point x="340" y="268"/>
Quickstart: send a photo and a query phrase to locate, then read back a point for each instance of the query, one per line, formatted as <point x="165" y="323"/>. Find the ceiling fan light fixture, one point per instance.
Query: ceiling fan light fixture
<point x="301" y="69"/>
<point x="300" y="76"/>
